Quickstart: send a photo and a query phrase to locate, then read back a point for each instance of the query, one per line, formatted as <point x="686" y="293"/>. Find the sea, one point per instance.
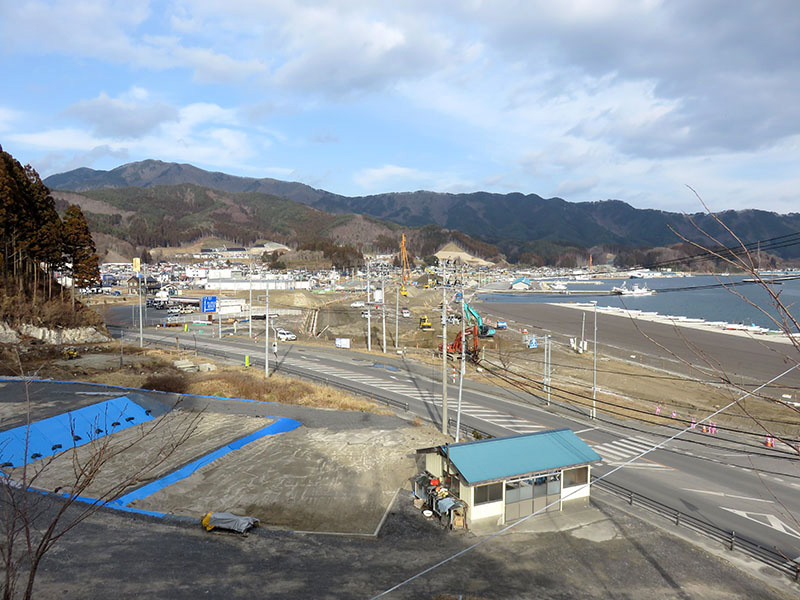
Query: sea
<point x="709" y="297"/>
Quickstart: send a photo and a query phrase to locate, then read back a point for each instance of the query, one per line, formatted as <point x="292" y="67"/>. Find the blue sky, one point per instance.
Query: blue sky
<point x="582" y="99"/>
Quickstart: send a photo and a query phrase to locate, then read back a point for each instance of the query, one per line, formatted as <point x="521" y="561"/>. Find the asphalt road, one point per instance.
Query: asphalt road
<point x="728" y="485"/>
<point x="739" y="357"/>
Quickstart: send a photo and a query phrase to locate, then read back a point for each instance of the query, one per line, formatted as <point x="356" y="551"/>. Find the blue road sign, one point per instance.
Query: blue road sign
<point x="533" y="343"/>
<point x="209" y="304"/>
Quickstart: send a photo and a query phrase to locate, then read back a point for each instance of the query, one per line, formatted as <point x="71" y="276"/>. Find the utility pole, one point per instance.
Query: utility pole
<point x="547" y="344"/>
<point x="250" y="309"/>
<point x="266" y="331"/>
<point x="396" y="317"/>
<point x="594" y="370"/>
<point x="463" y="358"/>
<point x="369" y="315"/>
<point x="383" y="312"/>
<point x="141" y="333"/>
<point x="444" y="354"/>
<point x="219" y="303"/>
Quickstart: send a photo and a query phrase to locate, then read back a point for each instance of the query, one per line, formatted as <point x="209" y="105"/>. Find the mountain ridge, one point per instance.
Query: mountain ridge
<point x="512" y="221"/>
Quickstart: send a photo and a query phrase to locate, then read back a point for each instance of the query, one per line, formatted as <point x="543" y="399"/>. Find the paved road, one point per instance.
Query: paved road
<point x="758" y="360"/>
<point x="717" y="484"/>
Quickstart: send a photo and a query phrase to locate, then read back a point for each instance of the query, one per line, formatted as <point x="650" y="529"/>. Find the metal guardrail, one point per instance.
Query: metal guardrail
<point x="729" y="539"/>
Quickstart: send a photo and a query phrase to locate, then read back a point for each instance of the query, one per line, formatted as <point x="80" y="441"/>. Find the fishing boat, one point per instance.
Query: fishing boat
<point x="636" y="290"/>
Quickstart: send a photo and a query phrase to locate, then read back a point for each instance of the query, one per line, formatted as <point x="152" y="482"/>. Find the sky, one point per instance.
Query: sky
<point x="582" y="99"/>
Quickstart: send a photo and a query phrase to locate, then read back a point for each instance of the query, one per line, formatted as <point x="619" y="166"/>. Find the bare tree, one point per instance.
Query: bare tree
<point x="35" y="513"/>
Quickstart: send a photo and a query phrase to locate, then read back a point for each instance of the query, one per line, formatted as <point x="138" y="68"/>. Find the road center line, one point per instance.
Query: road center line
<point x="723" y="494"/>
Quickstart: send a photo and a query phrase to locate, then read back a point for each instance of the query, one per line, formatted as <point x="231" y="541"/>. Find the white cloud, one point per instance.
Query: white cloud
<point x="369" y="178"/>
<point x="8" y="117"/>
<point x="121" y="118"/>
<point x="397" y="178"/>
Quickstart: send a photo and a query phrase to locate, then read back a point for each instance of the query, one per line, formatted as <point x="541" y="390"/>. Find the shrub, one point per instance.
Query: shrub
<point x="167" y="382"/>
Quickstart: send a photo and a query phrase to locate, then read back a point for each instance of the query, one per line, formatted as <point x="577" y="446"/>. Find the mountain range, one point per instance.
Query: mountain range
<point x="514" y="222"/>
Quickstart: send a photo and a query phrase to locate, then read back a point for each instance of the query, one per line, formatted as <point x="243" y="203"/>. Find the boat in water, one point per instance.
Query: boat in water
<point x="636" y="290"/>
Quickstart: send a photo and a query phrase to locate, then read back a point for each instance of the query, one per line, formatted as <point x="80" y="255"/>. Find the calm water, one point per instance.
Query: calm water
<point x="681" y="296"/>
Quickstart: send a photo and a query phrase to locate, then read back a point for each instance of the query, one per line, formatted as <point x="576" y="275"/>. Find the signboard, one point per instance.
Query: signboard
<point x="137" y="265"/>
<point x="209" y="304"/>
<point x="342" y="342"/>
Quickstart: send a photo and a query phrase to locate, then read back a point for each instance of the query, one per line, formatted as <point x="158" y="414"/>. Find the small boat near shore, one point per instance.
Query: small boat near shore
<point x="636" y="290"/>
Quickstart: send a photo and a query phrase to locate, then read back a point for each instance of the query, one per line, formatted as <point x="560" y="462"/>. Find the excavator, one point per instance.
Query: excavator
<point x="472" y="315"/>
<point x="471" y="350"/>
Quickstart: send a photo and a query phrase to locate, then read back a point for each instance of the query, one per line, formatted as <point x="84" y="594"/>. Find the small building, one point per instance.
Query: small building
<point x="148" y="284"/>
<point x="521" y="284"/>
<point x="504" y="479"/>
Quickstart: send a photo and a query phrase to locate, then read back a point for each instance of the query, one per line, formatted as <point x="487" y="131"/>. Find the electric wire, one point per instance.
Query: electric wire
<point x="590" y="484"/>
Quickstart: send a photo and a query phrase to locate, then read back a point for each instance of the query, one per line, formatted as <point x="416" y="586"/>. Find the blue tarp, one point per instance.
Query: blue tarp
<point x="75" y="428"/>
<point x="280" y="426"/>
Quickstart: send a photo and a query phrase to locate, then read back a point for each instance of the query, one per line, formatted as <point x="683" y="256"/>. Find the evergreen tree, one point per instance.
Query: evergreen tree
<point x="79" y="249"/>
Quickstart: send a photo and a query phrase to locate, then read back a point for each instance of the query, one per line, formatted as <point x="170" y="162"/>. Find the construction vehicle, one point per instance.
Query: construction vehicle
<point x="472" y="315"/>
<point x="471" y="349"/>
<point x="404" y="263"/>
<point x="425" y="324"/>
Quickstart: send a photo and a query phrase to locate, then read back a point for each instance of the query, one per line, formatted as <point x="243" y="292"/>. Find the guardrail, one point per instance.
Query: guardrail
<point x="729" y="539"/>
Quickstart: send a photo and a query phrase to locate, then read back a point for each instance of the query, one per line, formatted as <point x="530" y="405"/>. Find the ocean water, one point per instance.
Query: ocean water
<point x="705" y="297"/>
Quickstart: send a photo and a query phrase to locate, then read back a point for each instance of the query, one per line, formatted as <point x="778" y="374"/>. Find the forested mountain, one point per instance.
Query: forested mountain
<point x="515" y="223"/>
<point x="172" y="215"/>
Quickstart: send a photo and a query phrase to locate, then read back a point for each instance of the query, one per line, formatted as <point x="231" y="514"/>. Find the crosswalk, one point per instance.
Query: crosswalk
<point x="489" y="415"/>
<point x="619" y="451"/>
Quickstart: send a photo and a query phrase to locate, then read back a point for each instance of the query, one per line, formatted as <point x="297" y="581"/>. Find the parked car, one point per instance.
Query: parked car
<point x="405" y="313"/>
<point x="364" y="314"/>
<point x="286" y="336"/>
<point x="186" y="310"/>
<point x="357" y="304"/>
<point x="174" y="310"/>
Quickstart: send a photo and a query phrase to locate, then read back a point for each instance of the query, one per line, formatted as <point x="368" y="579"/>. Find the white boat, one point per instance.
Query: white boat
<point x="636" y="290"/>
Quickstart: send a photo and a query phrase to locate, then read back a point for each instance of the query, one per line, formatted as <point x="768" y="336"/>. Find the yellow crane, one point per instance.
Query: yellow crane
<point x="406" y="270"/>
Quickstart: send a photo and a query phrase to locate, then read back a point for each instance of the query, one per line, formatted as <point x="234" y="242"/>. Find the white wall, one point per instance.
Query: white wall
<point x="433" y="464"/>
<point x="577" y="491"/>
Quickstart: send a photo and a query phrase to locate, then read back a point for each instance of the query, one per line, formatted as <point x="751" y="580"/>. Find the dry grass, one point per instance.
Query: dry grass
<point x="234" y="383"/>
<point x="153" y="370"/>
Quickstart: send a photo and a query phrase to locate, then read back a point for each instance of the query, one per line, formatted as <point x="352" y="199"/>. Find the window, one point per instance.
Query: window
<point x="577" y="476"/>
<point x="491" y="492"/>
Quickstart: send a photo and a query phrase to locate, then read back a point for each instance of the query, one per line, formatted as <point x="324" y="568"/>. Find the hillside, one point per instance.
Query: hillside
<point x="126" y="220"/>
<point x="508" y="221"/>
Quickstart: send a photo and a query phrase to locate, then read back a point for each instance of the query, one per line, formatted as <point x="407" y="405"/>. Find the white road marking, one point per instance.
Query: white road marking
<point x="584" y="430"/>
<point x="772" y="521"/>
<point x="602" y="449"/>
<point x="724" y="495"/>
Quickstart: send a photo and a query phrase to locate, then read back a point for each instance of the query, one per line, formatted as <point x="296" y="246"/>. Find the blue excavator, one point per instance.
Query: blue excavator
<point x="484" y="330"/>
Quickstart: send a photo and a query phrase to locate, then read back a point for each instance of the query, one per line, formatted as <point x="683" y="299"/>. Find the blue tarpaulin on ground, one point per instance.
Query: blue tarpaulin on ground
<point x="50" y="436"/>
<point x="282" y="425"/>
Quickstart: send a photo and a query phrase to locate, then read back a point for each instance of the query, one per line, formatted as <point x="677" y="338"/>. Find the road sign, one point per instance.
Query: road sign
<point x="530" y="341"/>
<point x="209" y="304"/>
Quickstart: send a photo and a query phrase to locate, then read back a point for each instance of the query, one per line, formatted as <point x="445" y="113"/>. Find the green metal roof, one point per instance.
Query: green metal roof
<point x="503" y="458"/>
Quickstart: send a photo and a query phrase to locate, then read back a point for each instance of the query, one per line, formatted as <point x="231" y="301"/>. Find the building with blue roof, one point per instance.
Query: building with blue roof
<point x="504" y="479"/>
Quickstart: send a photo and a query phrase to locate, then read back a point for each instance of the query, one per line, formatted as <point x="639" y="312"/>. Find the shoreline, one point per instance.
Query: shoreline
<point x="750" y="332"/>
